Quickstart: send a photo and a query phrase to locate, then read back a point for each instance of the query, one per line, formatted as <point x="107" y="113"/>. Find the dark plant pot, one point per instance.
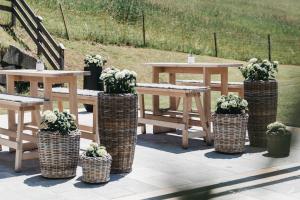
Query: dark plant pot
<point x="117" y="114"/>
<point x="279" y="145"/>
<point x="92" y="82"/>
<point x="262" y="97"/>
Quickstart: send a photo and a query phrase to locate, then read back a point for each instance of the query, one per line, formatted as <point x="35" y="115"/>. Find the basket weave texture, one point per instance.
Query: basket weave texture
<point x="262" y="97"/>
<point x="230" y="132"/>
<point x="95" y="169"/>
<point x="118" y="128"/>
<point x="58" y="154"/>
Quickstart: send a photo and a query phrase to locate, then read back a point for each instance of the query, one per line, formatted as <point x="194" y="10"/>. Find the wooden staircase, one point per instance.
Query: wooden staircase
<point x="33" y="24"/>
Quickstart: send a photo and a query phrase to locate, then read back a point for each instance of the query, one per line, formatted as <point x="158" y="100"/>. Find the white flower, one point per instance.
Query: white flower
<point x="233" y="103"/>
<point x="120" y="75"/>
<point x="224" y="105"/>
<point x="244" y="103"/>
<point x="253" y="60"/>
<point x="221" y="99"/>
<point x="134" y="74"/>
<point x="90" y="149"/>
<point x="94" y="145"/>
<point x="101" y="152"/>
<point x="49" y="116"/>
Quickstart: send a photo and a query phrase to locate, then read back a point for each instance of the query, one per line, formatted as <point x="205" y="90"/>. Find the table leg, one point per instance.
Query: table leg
<point x="207" y="95"/>
<point x="73" y="97"/>
<point x="48" y="94"/>
<point x="224" y="81"/>
<point x="33" y="93"/>
<point x="10" y="84"/>
<point x="172" y="80"/>
<point x="155" y="99"/>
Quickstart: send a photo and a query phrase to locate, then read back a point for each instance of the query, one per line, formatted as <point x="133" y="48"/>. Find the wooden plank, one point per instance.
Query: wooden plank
<point x="73" y="97"/>
<point x="5" y="8"/>
<point x="86" y="128"/>
<point x="8" y="143"/>
<point x="162" y="92"/>
<point x="88" y="135"/>
<point x="54" y="63"/>
<point x="32" y="73"/>
<point x="29" y="21"/>
<point x="13" y="134"/>
<point x="184" y="65"/>
<point x="160" y="123"/>
<point x="49" y="37"/>
<point x="142" y="111"/>
<point x="54" y="54"/>
<point x="19" y="140"/>
<point x="224" y="81"/>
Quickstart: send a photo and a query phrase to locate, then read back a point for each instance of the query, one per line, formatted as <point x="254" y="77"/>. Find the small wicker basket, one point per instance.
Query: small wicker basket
<point x="95" y="169"/>
<point x="230" y="132"/>
<point x="58" y="154"/>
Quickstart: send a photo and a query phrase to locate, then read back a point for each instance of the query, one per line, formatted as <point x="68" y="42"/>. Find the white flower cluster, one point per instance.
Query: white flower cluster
<point x="94" y="150"/>
<point x="48" y="117"/>
<point x="231" y="104"/>
<point x="97" y="60"/>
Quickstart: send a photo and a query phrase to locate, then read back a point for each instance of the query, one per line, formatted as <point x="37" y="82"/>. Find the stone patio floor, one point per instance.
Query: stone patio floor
<point x="163" y="170"/>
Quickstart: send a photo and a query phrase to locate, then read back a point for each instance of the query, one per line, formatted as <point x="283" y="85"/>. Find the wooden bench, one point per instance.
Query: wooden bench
<point x="61" y="94"/>
<point x="20" y="104"/>
<point x="173" y="120"/>
<point x="215" y="85"/>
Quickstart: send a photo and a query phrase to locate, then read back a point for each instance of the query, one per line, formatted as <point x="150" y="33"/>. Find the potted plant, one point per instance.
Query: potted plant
<point x="58" y="145"/>
<point x="93" y="63"/>
<point x="261" y="92"/>
<point x="230" y="124"/>
<point x="278" y="140"/>
<point x="96" y="163"/>
<point x="117" y="111"/>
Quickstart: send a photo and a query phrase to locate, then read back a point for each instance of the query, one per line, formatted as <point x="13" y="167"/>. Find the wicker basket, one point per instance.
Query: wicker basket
<point x="230" y="132"/>
<point x="95" y="169"/>
<point x="58" y="154"/>
<point x="118" y="128"/>
<point x="262" y="97"/>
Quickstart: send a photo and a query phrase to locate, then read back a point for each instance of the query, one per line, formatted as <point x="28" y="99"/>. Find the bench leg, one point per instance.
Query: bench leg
<point x="204" y="120"/>
<point x="142" y="112"/>
<point x="187" y="104"/>
<point x="19" y="150"/>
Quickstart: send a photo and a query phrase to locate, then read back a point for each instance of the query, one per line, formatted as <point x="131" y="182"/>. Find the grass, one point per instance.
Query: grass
<point x="176" y="25"/>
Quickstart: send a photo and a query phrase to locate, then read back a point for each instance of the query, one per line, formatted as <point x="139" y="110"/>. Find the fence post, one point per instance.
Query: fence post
<point x="64" y="20"/>
<point x="13" y="17"/>
<point x="61" y="56"/>
<point x="39" y="20"/>
<point x="144" y="28"/>
<point x="216" y="44"/>
<point x="269" y="47"/>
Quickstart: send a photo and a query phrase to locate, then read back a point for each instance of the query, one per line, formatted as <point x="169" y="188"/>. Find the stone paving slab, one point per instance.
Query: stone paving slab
<point x="161" y="169"/>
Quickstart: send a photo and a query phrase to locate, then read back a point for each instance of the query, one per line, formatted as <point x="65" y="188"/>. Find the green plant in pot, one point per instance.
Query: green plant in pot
<point x="230" y="124"/>
<point x="58" y="145"/>
<point x="261" y="92"/>
<point x="94" y="64"/>
<point x="278" y="140"/>
<point x="117" y="111"/>
<point x="96" y="163"/>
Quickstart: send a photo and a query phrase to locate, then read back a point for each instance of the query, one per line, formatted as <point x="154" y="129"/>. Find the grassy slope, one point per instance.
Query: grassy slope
<point x="179" y="25"/>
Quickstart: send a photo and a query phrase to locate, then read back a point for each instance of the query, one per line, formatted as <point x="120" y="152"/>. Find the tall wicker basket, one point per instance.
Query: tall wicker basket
<point x="58" y="154"/>
<point x="95" y="169"/>
<point x="230" y="132"/>
<point x="262" y="97"/>
<point x="117" y="115"/>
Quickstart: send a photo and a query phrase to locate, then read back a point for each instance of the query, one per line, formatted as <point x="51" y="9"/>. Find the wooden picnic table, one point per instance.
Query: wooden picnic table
<point x="48" y="78"/>
<point x="207" y="69"/>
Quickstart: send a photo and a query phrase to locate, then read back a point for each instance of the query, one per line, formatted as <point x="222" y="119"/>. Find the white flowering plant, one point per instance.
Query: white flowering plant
<point x="231" y="104"/>
<point x="257" y="69"/>
<point x="277" y="128"/>
<point x="95" y="150"/>
<point x="118" y="81"/>
<point x="94" y="60"/>
<point x="58" y="122"/>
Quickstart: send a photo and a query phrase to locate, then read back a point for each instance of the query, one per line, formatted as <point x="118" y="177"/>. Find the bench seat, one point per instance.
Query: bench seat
<point x="183" y="122"/>
<point x="215" y="85"/>
<point x="84" y="96"/>
<point x="20" y="104"/>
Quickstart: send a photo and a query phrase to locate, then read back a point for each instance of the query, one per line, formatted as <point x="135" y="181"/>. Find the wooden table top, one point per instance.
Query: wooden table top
<point x="44" y="73"/>
<point x="200" y="65"/>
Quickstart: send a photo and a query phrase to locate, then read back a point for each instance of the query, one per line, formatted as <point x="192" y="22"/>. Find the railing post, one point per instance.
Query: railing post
<point x="216" y="44"/>
<point x="61" y="56"/>
<point x="13" y="17"/>
<point x="269" y="47"/>
<point x="39" y="20"/>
